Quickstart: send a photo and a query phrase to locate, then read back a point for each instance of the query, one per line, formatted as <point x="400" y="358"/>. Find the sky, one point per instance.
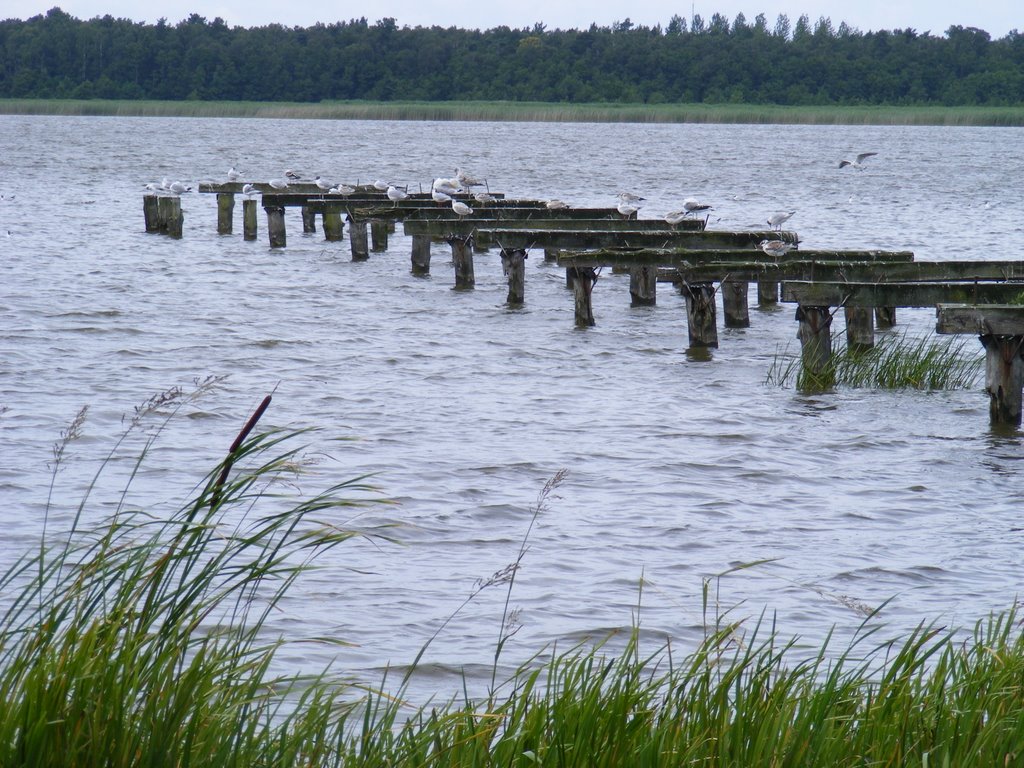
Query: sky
<point x="997" y="17"/>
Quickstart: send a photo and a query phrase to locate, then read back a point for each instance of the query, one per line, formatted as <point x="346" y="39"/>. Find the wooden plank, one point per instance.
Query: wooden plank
<point x="819" y="294"/>
<point x="685" y="257"/>
<point x="523" y="212"/>
<point x="309" y="188"/>
<point x="626" y="237"/>
<point x="990" y="319"/>
<point x="322" y="202"/>
<point x="484" y="228"/>
<point x="876" y="270"/>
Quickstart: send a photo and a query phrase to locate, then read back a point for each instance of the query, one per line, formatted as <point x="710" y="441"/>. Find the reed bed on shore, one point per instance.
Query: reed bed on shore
<point x="142" y="641"/>
<point x="897" y="361"/>
<point x="530" y="112"/>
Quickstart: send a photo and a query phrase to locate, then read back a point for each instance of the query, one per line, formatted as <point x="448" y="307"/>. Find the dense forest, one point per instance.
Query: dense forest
<point x="687" y="61"/>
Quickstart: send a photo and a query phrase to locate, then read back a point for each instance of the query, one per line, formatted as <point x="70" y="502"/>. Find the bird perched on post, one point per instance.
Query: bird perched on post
<point x="674" y="217"/>
<point x="395" y="194"/>
<point x="233" y="175"/>
<point x="776" y="248"/>
<point x="695" y="207"/>
<point x="325" y="186"/>
<point x="776" y="220"/>
<point x="461" y="208"/>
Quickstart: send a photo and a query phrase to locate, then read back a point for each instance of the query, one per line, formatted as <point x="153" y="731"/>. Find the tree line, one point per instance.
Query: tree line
<point x="688" y="61"/>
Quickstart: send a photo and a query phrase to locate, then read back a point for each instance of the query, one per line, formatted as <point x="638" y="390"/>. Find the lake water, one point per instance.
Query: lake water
<point x="679" y="468"/>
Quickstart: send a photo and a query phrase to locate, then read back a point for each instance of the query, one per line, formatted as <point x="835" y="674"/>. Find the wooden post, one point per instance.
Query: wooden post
<point x="513" y="262"/>
<point x="275" y="226"/>
<point x="885" y="317"/>
<point x="171" y="219"/>
<point x="583" y="285"/>
<point x="1004" y="377"/>
<point x="357" y="239"/>
<point x="333" y="228"/>
<point x="767" y="293"/>
<point x="248" y="219"/>
<point x="700" y="313"/>
<point x="421" y="254"/>
<point x="643" y="286"/>
<point x="225" y="212"/>
<point x="462" y="257"/>
<point x="308" y="220"/>
<point x="815" y="336"/>
<point x="378" y="235"/>
<point x="735" y="310"/>
<point x="151" y="211"/>
<point x="550" y="254"/>
<point x="860" y="328"/>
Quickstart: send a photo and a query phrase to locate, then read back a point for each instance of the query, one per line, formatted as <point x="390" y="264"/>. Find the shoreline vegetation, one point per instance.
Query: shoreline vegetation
<point x="509" y="111"/>
<point x="143" y="640"/>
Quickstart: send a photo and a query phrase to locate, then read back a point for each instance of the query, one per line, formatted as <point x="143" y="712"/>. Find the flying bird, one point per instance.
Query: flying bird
<point x="857" y="162"/>
<point x="776" y="220"/>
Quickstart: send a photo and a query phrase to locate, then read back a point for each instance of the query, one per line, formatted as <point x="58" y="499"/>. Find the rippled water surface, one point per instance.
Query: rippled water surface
<point x="679" y="467"/>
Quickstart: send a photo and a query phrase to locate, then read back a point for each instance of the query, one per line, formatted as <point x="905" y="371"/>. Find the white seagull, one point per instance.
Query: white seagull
<point x="776" y="220"/>
<point x="249" y="190"/>
<point x="151" y="189"/>
<point x="553" y="205"/>
<point x="466" y="180"/>
<point x="321" y="184"/>
<point x="178" y="188"/>
<point x="674" y="217"/>
<point x="776" y="248"/>
<point x="345" y="189"/>
<point x="380" y="185"/>
<point x="461" y="208"/>
<point x="445" y="186"/>
<point x="278" y="183"/>
<point x="627" y="209"/>
<point x="629" y="197"/>
<point x="483" y="197"/>
<point x="290" y="174"/>
<point x="694" y="207"/>
<point x="857" y="162"/>
<point x="440" y="197"/>
<point x="233" y="175"/>
<point x="395" y="194"/>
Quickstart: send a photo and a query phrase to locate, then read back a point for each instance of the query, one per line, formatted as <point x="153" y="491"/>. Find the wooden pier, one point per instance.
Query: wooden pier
<point x="985" y="298"/>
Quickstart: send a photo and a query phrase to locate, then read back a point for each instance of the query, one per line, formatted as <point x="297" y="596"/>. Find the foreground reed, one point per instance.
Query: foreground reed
<point x="143" y="641"/>
<point x="897" y="361"/>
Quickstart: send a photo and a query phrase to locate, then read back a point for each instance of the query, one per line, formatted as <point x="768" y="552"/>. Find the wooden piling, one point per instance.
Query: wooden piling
<point x="275" y="226"/>
<point x="735" y="307"/>
<point x="885" y="317"/>
<point x="333" y="228"/>
<point x="151" y="212"/>
<point x="1004" y="377"/>
<point x="462" y="257"/>
<point x="513" y="263"/>
<point x="860" y="328"/>
<point x="583" y="280"/>
<point x="308" y="220"/>
<point x="700" y="313"/>
<point x="815" y="334"/>
<point x="170" y="218"/>
<point x="421" y="254"/>
<point x="225" y="212"/>
<point x="551" y="254"/>
<point x="767" y="293"/>
<point x="643" y="286"/>
<point x="357" y="239"/>
<point x="248" y="219"/>
<point x="378" y="235"/>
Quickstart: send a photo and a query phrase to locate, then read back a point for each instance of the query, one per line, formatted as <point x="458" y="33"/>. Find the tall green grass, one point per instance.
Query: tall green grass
<point x="142" y="641"/>
<point x="895" y="362"/>
<point x="528" y="112"/>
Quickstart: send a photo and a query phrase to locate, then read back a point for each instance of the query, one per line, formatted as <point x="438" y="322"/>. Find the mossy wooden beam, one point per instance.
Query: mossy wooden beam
<point x="627" y="236"/>
<point x="875" y="271"/>
<point x="677" y="258"/>
<point x="486" y="229"/>
<point x="909" y="294"/>
<point x="989" y="319"/>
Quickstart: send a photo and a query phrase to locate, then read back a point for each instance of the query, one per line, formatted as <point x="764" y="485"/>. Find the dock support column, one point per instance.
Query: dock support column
<point x="357" y="239"/>
<point x="815" y="334"/>
<point x="248" y="219"/>
<point x="735" y="310"/>
<point x="225" y="212"/>
<point x="462" y="257"/>
<point x="767" y="293"/>
<point x="643" y="286"/>
<point x="1004" y="377"/>
<point x="333" y="228"/>
<point x="513" y="262"/>
<point x="151" y="211"/>
<point x="275" y="226"/>
<point x="700" y="314"/>
<point x="170" y="218"/>
<point x="550" y="254"/>
<point x="885" y="317"/>
<point x="860" y="328"/>
<point x="308" y="220"/>
<point x="378" y="235"/>
<point x="421" y="254"/>
<point x="583" y="279"/>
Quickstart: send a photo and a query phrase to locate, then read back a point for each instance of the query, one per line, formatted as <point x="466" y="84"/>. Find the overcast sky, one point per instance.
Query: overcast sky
<point x="997" y="17"/>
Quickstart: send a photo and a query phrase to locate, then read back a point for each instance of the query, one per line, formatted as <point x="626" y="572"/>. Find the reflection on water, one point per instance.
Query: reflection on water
<point x="681" y="462"/>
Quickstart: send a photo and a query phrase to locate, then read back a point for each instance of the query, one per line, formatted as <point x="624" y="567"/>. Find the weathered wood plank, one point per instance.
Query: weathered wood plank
<point x="685" y="257"/>
<point x="484" y="228"/>
<point x="900" y="294"/>
<point x="874" y="270"/>
<point x="310" y="189"/>
<point x="623" y="235"/>
<point x="990" y="319"/>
